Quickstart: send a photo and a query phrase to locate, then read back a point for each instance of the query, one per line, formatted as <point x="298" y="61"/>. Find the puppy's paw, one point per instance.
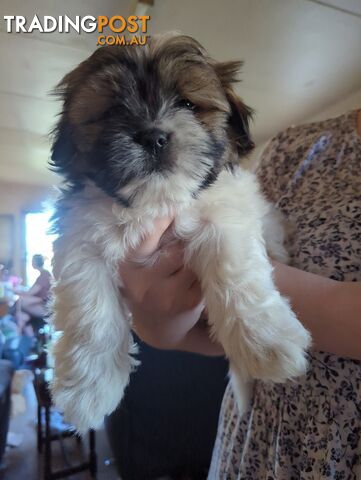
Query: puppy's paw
<point x="85" y="406"/>
<point x="88" y="384"/>
<point x="273" y="347"/>
<point x="284" y="359"/>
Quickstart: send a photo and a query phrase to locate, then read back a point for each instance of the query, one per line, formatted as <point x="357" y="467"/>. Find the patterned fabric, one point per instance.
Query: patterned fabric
<point x="310" y="428"/>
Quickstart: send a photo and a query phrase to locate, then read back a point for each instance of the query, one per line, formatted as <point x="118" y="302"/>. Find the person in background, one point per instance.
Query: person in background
<point x="33" y="301"/>
<point x="308" y="428"/>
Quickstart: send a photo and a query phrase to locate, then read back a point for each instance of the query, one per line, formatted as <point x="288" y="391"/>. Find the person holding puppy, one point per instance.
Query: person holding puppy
<point x="309" y="427"/>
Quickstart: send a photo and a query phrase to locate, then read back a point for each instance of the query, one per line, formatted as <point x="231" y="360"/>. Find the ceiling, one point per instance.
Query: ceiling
<point x="301" y="56"/>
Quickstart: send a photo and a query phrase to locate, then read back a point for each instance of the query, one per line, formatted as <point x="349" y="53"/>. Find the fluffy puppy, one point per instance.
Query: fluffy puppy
<point x="146" y="131"/>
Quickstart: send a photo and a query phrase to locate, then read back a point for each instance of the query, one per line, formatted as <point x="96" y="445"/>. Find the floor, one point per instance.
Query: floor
<point x="24" y="463"/>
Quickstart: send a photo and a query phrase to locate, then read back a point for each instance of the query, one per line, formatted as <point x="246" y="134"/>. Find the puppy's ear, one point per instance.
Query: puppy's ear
<point x="85" y="97"/>
<point x="239" y="123"/>
<point x="240" y="114"/>
<point x="64" y="156"/>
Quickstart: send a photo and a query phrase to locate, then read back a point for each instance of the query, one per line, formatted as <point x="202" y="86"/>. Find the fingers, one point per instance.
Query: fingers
<point x="168" y="262"/>
<point x="162" y="263"/>
<point x="164" y="286"/>
<point x="177" y="293"/>
<point x="150" y="244"/>
<point x="183" y="277"/>
<point x="138" y="257"/>
<point x="194" y="297"/>
<point x="170" y="259"/>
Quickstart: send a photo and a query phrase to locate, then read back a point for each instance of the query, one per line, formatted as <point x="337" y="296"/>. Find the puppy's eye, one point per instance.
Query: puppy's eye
<point x="184" y="103"/>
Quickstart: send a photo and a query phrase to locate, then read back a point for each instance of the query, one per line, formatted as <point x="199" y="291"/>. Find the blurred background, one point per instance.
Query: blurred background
<point x="302" y="63"/>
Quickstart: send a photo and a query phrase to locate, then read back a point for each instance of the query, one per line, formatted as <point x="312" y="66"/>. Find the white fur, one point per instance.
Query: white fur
<point x="224" y="232"/>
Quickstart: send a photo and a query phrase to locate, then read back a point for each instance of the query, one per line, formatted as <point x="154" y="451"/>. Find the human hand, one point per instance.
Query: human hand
<point x="164" y="298"/>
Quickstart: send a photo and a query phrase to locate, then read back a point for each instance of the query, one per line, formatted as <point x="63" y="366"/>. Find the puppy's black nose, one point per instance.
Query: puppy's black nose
<point x="153" y="139"/>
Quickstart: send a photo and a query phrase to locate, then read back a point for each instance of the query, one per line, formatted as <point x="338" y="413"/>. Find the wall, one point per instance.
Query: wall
<point x="17" y="199"/>
<point x="351" y="102"/>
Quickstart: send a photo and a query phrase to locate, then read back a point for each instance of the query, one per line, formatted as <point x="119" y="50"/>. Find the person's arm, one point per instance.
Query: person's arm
<point x="33" y="291"/>
<point x="330" y="310"/>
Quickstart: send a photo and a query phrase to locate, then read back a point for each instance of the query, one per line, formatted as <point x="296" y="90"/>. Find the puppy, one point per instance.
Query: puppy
<point x="144" y="132"/>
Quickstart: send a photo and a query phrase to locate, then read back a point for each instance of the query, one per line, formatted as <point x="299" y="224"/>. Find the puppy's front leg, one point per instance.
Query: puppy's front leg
<point x="259" y="332"/>
<point x="92" y="357"/>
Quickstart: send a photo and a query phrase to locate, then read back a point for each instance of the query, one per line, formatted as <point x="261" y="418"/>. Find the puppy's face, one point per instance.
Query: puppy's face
<point x="154" y="122"/>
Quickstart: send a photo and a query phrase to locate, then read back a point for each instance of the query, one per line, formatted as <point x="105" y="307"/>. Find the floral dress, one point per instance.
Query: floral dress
<point x="310" y="428"/>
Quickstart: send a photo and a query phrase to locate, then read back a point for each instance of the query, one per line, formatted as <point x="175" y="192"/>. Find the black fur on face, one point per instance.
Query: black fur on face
<point x="162" y="116"/>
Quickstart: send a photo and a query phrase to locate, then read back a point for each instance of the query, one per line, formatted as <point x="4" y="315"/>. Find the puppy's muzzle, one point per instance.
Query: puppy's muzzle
<point x="153" y="140"/>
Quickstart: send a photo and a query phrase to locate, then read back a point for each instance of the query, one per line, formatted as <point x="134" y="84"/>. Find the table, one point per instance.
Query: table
<point x="42" y="378"/>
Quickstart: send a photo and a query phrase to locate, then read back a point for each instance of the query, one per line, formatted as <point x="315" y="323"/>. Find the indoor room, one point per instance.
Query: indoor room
<point x="180" y="239"/>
